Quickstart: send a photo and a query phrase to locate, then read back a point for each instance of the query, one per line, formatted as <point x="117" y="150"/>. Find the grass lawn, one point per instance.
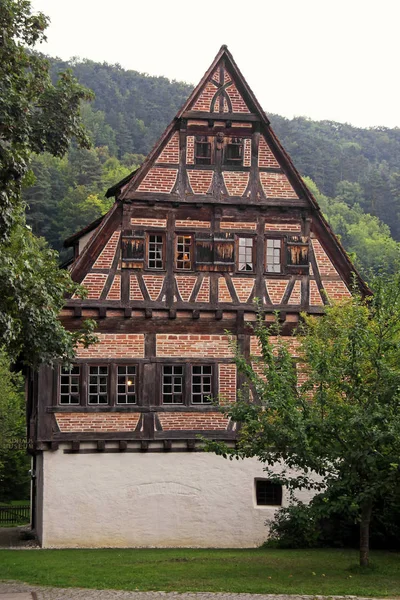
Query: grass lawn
<point x="259" y="571"/>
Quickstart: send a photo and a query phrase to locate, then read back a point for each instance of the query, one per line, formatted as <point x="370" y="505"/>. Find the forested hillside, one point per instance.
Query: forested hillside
<point x="356" y="172"/>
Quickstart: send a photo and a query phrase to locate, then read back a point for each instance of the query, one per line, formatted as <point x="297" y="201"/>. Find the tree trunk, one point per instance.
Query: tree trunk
<point x="366" y="511"/>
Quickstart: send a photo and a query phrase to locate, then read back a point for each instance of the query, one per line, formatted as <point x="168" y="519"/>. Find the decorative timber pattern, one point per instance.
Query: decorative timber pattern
<point x="215" y="219"/>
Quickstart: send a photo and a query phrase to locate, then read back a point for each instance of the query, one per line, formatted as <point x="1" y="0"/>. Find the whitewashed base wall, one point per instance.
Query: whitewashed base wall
<point x="150" y="500"/>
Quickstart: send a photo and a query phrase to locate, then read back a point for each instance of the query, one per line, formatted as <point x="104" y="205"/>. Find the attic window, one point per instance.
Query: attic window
<point x="202" y="150"/>
<point x="234" y="151"/>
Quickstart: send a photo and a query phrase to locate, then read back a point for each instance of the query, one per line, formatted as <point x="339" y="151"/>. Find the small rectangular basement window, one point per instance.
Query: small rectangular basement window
<point x="268" y="493"/>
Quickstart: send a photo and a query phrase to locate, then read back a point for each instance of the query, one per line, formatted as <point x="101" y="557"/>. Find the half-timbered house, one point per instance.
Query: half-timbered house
<point x="215" y="217"/>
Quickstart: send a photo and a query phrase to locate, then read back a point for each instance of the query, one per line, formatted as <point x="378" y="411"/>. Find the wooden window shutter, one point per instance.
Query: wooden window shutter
<point x="224" y="251"/>
<point x="297" y="254"/>
<point x="204" y="251"/>
<point x="133" y="249"/>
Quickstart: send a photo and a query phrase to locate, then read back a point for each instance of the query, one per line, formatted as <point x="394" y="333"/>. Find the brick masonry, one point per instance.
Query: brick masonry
<point x="106" y="257"/>
<point x="190" y="150"/>
<point x="94" y="283"/>
<point x="203" y="102"/>
<point x="238" y="104"/>
<point x="197" y="421"/>
<point x="115" y="345"/>
<point x="185" y="284"/>
<point x="204" y="291"/>
<point x="134" y="289"/>
<point x="238" y="225"/>
<point x="336" y="290"/>
<point x="247" y="153"/>
<point x="227" y="383"/>
<point x="101" y="422"/>
<point x="144" y="222"/>
<point x="265" y="155"/>
<point x="236" y="182"/>
<point x="192" y="224"/>
<point x="153" y="285"/>
<point x="200" y="181"/>
<point x="243" y="286"/>
<point x="215" y="76"/>
<point x="193" y="345"/>
<point x="223" y="292"/>
<point x="291" y="342"/>
<point x="170" y="154"/>
<point x="276" y="185"/>
<point x="315" y="296"/>
<point x="115" y="289"/>
<point x="295" y="227"/>
<point x="325" y="266"/>
<point x="276" y="288"/>
<point x="295" y="296"/>
<point x="159" y="180"/>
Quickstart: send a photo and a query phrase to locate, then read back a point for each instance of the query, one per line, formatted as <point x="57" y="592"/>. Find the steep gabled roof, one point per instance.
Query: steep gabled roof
<point x="126" y="188"/>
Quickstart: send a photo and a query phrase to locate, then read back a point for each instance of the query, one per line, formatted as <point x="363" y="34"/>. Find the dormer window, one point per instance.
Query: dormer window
<point x="202" y="150"/>
<point x="234" y="151"/>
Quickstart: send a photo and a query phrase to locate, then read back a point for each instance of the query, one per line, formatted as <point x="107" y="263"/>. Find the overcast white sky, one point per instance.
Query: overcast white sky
<point x="324" y="59"/>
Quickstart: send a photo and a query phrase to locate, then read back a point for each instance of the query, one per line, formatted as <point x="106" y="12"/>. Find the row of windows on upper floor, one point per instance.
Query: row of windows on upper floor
<point x="214" y="252"/>
<point x="179" y="384"/>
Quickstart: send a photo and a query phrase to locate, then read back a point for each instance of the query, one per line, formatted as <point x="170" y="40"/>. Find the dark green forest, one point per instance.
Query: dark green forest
<point x="354" y="172"/>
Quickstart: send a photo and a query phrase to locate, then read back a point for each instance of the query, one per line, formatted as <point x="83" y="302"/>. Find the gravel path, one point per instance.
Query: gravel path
<point x="45" y="593"/>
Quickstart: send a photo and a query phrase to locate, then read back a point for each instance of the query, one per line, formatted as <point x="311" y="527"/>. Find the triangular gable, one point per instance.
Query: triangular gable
<point x="224" y="91"/>
<point x="101" y="252"/>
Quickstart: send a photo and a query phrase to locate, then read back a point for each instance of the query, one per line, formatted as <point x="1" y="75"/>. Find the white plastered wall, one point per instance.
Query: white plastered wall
<point x="151" y="499"/>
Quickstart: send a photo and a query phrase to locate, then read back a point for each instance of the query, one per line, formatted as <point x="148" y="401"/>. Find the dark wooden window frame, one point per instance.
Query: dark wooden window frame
<point x="268" y="497"/>
<point x="230" y="162"/>
<point x="135" y="384"/>
<point x="197" y="157"/>
<point x="162" y="234"/>
<point x="192" y="251"/>
<point x="58" y="388"/>
<point x="254" y="253"/>
<point x="283" y="255"/>
<point x="187" y="385"/>
<point x="112" y="365"/>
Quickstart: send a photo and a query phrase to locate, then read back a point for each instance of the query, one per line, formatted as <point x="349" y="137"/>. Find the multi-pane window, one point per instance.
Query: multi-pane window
<point x="244" y="260"/>
<point x="172" y="384"/>
<point x="268" y="493"/>
<point x="126" y="384"/>
<point x="184" y="252"/>
<point x="69" y="385"/>
<point x="98" y="384"/>
<point x="234" y="151"/>
<point x="202" y="150"/>
<point x="201" y="384"/>
<point x="273" y="263"/>
<point x="155" y="251"/>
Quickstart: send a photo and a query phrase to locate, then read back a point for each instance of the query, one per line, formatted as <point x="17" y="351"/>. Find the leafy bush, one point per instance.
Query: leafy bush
<point x="329" y="521"/>
<point x="295" y="526"/>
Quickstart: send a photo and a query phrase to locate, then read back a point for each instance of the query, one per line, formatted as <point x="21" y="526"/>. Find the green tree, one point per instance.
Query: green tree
<point x="14" y="461"/>
<point x="35" y="116"/>
<point x="32" y="293"/>
<point x="340" y="427"/>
